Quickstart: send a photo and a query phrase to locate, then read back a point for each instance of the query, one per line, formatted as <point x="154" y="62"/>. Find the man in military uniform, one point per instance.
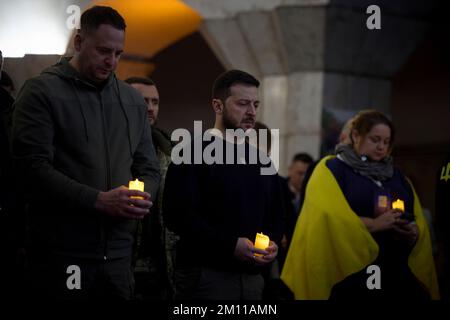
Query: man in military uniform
<point x="155" y="245"/>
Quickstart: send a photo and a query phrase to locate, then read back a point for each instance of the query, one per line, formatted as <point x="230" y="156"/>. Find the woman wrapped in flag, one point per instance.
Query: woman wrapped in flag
<point x="361" y="233"/>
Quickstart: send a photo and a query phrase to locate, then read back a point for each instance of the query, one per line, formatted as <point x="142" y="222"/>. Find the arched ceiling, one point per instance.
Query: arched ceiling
<point x="152" y="25"/>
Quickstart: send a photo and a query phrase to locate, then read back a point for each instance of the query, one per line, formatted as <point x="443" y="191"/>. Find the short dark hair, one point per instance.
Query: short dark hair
<point x="93" y="17"/>
<point x="365" y="120"/>
<point x="140" y="80"/>
<point x="223" y="83"/>
<point x="303" y="157"/>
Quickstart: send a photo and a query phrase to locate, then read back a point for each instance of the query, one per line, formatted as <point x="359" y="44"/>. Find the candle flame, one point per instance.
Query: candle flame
<point x="398" y="204"/>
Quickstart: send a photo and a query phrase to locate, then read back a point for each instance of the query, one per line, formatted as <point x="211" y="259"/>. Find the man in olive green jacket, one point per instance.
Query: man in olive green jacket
<point x="155" y="245"/>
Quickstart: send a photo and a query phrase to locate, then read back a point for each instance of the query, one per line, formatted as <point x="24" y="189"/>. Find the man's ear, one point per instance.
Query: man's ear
<point x="217" y="106"/>
<point x="77" y="40"/>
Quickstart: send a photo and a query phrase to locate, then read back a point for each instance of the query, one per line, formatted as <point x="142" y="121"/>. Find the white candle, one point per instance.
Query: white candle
<point x="399" y="204"/>
<point x="136" y="185"/>
<point x="261" y="242"/>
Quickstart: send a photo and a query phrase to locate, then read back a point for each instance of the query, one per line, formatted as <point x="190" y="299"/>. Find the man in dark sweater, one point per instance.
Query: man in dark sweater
<point x="79" y="136"/>
<point x="217" y="209"/>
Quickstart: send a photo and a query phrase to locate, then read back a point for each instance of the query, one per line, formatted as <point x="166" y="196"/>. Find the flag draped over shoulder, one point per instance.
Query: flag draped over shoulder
<point x="421" y="258"/>
<point x="331" y="242"/>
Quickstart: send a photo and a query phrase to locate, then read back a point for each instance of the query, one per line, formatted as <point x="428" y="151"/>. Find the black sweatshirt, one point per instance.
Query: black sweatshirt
<point x="211" y="206"/>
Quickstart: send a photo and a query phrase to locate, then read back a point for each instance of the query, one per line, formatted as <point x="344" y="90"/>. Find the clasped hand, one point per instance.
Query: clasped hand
<point x="245" y="251"/>
<point x="118" y="202"/>
<point x="392" y="220"/>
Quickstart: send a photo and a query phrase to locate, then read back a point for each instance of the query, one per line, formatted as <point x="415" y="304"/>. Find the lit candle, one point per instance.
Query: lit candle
<point x="399" y="204"/>
<point x="136" y="185"/>
<point x="382" y="202"/>
<point x="261" y="242"/>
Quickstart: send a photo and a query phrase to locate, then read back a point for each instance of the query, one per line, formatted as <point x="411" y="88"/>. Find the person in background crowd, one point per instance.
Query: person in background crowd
<point x="155" y="245"/>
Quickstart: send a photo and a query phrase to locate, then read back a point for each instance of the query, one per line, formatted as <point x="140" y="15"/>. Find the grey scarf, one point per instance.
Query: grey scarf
<point x="375" y="170"/>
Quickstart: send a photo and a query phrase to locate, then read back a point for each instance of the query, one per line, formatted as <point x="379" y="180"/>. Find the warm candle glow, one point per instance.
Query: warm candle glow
<point x="383" y="202"/>
<point x="399" y="204"/>
<point x="261" y="242"/>
<point x="136" y="185"/>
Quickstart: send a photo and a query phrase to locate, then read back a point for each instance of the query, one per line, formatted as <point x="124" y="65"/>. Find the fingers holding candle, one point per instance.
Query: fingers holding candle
<point x="134" y="211"/>
<point x="265" y="251"/>
<point x="145" y="204"/>
<point x="136" y="194"/>
<point x="272" y="250"/>
<point x="139" y="203"/>
<point x="263" y="258"/>
<point x="259" y="260"/>
<point x="118" y="202"/>
<point x="243" y="250"/>
<point x="259" y="252"/>
<point x="268" y="255"/>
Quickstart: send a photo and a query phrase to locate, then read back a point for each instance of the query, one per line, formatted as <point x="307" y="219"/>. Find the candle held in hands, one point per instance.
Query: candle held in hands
<point x="261" y="242"/>
<point x="136" y="185"/>
<point x="399" y="204"/>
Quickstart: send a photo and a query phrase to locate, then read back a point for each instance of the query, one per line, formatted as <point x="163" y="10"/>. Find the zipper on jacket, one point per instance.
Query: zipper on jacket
<point x="108" y="172"/>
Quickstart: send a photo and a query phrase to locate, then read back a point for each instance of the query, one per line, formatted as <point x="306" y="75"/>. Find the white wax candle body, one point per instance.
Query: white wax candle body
<point x="136" y="185"/>
<point x="399" y="204"/>
<point x="261" y="242"/>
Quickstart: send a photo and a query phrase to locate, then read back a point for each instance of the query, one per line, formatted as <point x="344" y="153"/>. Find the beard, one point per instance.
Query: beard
<point x="228" y="122"/>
